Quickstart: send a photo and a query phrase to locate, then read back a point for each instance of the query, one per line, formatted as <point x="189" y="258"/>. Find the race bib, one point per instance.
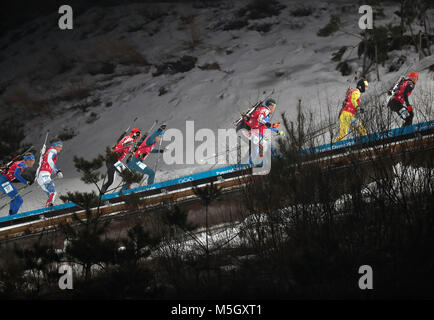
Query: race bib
<point x="7" y="187"/>
<point x="45" y="179"/>
<point x="255" y="139"/>
<point x="141" y="165"/>
<point x="120" y="166"/>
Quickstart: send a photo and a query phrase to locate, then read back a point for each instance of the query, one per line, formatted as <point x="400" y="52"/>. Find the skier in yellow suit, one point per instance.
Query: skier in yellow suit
<point x="351" y="105"/>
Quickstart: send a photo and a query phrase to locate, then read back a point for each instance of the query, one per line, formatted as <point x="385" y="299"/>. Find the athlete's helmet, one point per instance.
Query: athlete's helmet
<point x="269" y="102"/>
<point x="135" y="132"/>
<point x="362" y="84"/>
<point x="413" y="75"/>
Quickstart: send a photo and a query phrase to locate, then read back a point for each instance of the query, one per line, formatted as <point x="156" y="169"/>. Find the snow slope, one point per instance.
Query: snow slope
<point x="289" y="59"/>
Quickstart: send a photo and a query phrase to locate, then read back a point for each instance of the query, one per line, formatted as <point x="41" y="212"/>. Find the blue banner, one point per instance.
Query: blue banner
<point x="377" y="136"/>
<point x="158" y="185"/>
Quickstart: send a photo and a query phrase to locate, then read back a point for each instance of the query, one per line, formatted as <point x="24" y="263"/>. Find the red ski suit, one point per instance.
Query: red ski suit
<point x="124" y="146"/>
<point x="257" y="121"/>
<point x="45" y="166"/>
<point x="399" y="95"/>
<point x="10" y="175"/>
<point x="144" y="149"/>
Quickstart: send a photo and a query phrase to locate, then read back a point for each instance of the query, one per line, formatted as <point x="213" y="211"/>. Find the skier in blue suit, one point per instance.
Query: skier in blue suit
<point x="14" y="174"/>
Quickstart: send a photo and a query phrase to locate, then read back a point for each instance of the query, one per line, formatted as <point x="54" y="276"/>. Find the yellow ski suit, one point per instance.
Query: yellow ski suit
<point x="347" y="117"/>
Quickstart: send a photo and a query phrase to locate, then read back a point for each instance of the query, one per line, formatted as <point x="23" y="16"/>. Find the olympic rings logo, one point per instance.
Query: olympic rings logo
<point x="184" y="180"/>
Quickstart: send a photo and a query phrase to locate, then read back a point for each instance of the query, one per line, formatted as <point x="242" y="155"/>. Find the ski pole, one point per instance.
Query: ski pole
<point x="18" y="194"/>
<point x="320" y="132"/>
<point x="158" y="156"/>
<point x="126" y="131"/>
<point x="4" y="196"/>
<point x="218" y="154"/>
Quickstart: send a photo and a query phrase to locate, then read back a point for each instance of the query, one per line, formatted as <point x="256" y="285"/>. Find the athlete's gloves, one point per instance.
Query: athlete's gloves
<point x="361" y="110"/>
<point x="161" y="150"/>
<point x="281" y="133"/>
<point x="59" y="174"/>
<point x="272" y="125"/>
<point x="162" y="127"/>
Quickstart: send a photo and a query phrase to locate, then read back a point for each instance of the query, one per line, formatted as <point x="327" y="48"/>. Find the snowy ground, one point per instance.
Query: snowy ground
<point x="405" y="181"/>
<point x="290" y="59"/>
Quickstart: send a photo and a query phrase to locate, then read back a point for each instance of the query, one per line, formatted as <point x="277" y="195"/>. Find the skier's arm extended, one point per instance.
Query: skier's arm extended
<point x="271" y="126"/>
<point x="52" y="153"/>
<point x="409" y="88"/>
<point x="17" y="173"/>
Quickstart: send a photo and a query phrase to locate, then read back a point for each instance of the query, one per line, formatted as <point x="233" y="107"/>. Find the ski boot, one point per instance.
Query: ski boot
<point x="50" y="201"/>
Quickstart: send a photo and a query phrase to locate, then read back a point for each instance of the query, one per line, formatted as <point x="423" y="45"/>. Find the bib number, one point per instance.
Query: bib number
<point x="120" y="166"/>
<point x="45" y="179"/>
<point x="141" y="165"/>
<point x="7" y="187"/>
